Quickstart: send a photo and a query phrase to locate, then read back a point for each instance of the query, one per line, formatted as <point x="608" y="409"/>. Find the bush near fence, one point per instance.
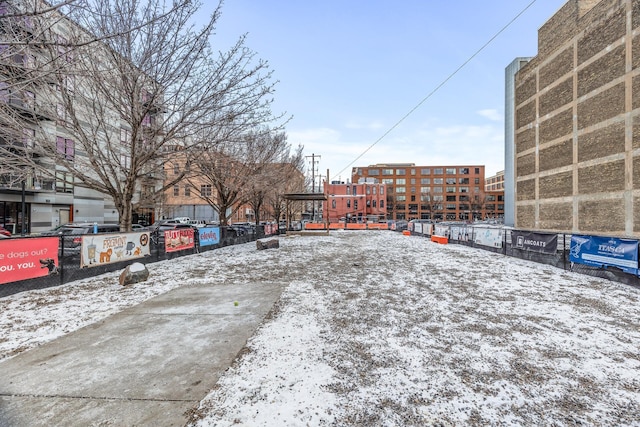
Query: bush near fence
<point x="69" y="268"/>
<point x="559" y="258"/>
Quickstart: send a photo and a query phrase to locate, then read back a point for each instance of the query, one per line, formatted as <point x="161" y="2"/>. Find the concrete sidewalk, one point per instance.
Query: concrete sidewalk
<point x="146" y="366"/>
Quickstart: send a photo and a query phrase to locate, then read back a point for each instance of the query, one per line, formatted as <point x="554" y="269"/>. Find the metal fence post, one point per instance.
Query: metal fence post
<point x="564" y="251"/>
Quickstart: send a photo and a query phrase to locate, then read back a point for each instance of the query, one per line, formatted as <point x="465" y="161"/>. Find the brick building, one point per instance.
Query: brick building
<point x="577" y="125"/>
<point x="361" y="202"/>
<point x="495" y="182"/>
<point x="439" y="193"/>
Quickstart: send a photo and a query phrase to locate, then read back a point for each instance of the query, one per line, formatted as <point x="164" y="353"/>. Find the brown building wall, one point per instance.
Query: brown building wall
<point x="577" y="128"/>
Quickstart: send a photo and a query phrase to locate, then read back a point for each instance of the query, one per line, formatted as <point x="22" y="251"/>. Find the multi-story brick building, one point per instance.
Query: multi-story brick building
<point x="439" y="193"/>
<point x="495" y="182"/>
<point x="577" y="126"/>
<point x="364" y="201"/>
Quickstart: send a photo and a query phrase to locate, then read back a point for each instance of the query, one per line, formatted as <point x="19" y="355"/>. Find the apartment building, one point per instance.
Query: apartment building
<point x="439" y="193"/>
<point x="37" y="88"/>
<point x="495" y="182"/>
<point x="354" y="202"/>
<point x="577" y="103"/>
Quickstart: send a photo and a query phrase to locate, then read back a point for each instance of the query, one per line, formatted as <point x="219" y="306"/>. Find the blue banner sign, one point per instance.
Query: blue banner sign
<point x="209" y="236"/>
<point x="605" y="251"/>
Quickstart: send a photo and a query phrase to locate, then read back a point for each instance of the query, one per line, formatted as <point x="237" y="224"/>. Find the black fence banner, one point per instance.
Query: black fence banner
<point x="535" y="242"/>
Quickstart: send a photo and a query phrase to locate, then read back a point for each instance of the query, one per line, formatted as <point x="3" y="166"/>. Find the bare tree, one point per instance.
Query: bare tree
<point x="239" y="172"/>
<point x="153" y="85"/>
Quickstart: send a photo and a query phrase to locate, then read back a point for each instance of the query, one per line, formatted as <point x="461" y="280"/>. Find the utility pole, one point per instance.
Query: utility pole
<point x="313" y="182"/>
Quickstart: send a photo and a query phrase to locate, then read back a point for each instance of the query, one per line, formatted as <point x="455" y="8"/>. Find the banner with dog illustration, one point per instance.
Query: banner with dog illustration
<point x="179" y="239"/>
<point x="100" y="249"/>
<point x="22" y="259"/>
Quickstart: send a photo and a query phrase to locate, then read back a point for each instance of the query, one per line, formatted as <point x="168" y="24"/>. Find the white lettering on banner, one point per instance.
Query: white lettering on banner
<point x="612" y="249"/>
<point x="537" y="243"/>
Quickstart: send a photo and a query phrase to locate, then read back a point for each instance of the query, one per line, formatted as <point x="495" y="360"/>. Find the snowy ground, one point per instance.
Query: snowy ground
<point x="381" y="329"/>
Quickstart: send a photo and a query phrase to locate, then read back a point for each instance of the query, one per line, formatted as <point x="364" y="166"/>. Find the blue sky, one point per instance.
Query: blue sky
<point x="349" y="70"/>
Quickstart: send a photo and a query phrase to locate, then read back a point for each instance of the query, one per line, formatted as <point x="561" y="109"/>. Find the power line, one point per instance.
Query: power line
<point x="440" y="85"/>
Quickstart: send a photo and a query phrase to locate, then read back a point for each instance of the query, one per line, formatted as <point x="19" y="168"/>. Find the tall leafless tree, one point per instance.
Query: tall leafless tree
<point x="153" y="85"/>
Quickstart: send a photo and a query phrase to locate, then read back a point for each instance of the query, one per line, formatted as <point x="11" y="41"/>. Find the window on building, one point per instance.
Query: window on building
<point x="425" y="189"/>
<point x="425" y="171"/>
<point x="29" y="137"/>
<point x="476" y="181"/>
<point x="464" y="189"/>
<point x="400" y="190"/>
<point x="451" y="189"/>
<point x="387" y="171"/>
<point x="368" y="203"/>
<point x="355" y="190"/>
<point x="381" y="190"/>
<point x="400" y="172"/>
<point x="451" y="181"/>
<point x="206" y="190"/>
<point x="374" y="172"/>
<point x="438" y="181"/>
<point x="64" y="182"/>
<point x="65" y="147"/>
<point x="413" y="198"/>
<point x="368" y="189"/>
<point x="401" y="181"/>
<point x="413" y="189"/>
<point x="349" y="203"/>
<point x="176" y="169"/>
<point x="401" y="199"/>
<point x="348" y="190"/>
<point x="413" y="181"/>
<point x="451" y="198"/>
<point x="387" y="181"/>
<point x="374" y="202"/>
<point x="477" y="170"/>
<point x="125" y="161"/>
<point x="464" y="171"/>
<point x="451" y="171"/>
<point x="451" y="206"/>
<point x="463" y="181"/>
<point x="187" y="190"/>
<point x="176" y="190"/>
<point x="374" y="189"/>
<point x="437" y="171"/>
<point x="333" y="204"/>
<point x="125" y="137"/>
<point x="438" y="199"/>
<point x="355" y="204"/>
<point x="381" y="204"/>
<point x="437" y="189"/>
<point x="425" y="181"/>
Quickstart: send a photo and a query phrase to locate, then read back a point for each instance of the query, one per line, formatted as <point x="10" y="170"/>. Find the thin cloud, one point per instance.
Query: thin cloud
<point x="491" y="114"/>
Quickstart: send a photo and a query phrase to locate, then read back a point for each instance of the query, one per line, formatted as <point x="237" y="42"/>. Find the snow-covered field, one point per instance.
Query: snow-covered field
<point x="381" y="329"/>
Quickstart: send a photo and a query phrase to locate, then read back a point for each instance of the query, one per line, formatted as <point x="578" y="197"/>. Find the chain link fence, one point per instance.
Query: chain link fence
<point x="69" y="266"/>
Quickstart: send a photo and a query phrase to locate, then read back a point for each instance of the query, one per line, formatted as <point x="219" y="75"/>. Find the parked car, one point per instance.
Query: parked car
<point x="199" y="223"/>
<point x="4" y="232"/>
<point x="183" y="219"/>
<point x="72" y="234"/>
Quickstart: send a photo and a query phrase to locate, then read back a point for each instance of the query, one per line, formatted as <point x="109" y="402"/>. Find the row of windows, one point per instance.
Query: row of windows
<point x="451" y="189"/>
<point x="443" y="206"/>
<point x="369" y="190"/>
<point x="370" y="203"/>
<point x="428" y="181"/>
<point x="206" y="190"/>
<point x="423" y="171"/>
